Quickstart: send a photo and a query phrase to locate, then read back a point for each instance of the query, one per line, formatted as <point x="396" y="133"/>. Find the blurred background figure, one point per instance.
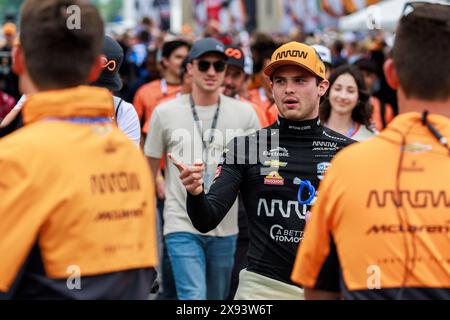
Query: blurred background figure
<point x="150" y="95"/>
<point x="138" y="52"/>
<point x="383" y="112"/>
<point x="9" y="82"/>
<point x="352" y="47"/>
<point x="124" y="113"/>
<point x="260" y="92"/>
<point x="325" y="55"/>
<point x="236" y="78"/>
<point x="337" y="59"/>
<point x="6" y="104"/>
<point x="346" y="108"/>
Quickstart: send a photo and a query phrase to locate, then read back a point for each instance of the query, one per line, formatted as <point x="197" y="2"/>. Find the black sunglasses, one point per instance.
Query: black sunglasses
<point x="203" y="65"/>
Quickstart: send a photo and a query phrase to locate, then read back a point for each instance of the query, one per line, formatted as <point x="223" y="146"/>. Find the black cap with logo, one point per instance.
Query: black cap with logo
<point x="204" y="46"/>
<point x="112" y="60"/>
<point x="235" y="57"/>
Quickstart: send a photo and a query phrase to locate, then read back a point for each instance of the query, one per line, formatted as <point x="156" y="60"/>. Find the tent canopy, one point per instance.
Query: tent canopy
<point x="383" y="15"/>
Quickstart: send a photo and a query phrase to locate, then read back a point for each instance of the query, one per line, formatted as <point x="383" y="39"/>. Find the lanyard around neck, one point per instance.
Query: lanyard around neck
<point x="354" y="129"/>
<point x="197" y="123"/>
<point x="163" y="86"/>
<point x="262" y="94"/>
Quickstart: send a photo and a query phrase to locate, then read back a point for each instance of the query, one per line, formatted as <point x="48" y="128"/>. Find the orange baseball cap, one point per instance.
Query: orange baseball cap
<point x="297" y="54"/>
<point x="9" y="28"/>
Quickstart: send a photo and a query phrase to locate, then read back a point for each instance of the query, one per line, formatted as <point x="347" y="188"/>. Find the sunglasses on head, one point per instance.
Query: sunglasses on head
<point x="430" y="11"/>
<point x="203" y="65"/>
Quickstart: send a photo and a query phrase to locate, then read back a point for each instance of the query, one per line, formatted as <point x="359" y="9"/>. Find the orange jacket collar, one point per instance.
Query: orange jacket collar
<point x="82" y="101"/>
<point x="411" y="123"/>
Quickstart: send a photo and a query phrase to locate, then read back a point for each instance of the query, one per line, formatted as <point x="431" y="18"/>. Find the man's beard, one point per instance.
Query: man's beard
<point x="231" y="91"/>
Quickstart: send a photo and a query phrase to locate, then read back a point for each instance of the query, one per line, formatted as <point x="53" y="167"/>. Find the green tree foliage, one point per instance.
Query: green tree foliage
<point x="109" y="9"/>
<point x="9" y="9"/>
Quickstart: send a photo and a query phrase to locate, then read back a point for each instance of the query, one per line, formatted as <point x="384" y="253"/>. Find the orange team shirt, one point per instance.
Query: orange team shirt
<point x="259" y="98"/>
<point x="364" y="216"/>
<point x="259" y="112"/>
<point x="376" y="114"/>
<point x="96" y="212"/>
<point x="145" y="127"/>
<point x="149" y="96"/>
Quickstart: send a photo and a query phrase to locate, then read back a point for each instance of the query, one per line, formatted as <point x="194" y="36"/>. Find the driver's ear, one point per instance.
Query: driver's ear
<point x="323" y="87"/>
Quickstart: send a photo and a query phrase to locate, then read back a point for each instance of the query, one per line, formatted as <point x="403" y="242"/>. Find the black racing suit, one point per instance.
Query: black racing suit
<point x="268" y="168"/>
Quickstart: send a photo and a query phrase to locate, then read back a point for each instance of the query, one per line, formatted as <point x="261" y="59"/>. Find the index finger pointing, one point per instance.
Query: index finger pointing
<point x="180" y="166"/>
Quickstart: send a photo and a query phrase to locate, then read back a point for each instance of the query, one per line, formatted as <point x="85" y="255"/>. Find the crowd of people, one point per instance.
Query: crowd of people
<point x="207" y="167"/>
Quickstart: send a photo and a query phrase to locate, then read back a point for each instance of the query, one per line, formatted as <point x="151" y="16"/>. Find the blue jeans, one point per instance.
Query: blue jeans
<point x="201" y="265"/>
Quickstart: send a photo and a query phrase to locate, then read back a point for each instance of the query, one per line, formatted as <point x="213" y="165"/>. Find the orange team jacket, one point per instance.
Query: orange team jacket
<point x="365" y="217"/>
<point x="259" y="98"/>
<point x="262" y="117"/>
<point x="145" y="127"/>
<point x="79" y="190"/>
<point x="150" y="95"/>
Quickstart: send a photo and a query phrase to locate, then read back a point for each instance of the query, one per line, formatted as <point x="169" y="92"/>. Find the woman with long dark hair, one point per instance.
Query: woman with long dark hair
<point x="346" y="108"/>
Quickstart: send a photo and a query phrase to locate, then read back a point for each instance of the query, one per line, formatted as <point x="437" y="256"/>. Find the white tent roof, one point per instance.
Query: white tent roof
<point x="383" y="15"/>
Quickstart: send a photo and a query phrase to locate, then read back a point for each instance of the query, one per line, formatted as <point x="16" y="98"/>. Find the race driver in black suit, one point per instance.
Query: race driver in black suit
<point x="277" y="170"/>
